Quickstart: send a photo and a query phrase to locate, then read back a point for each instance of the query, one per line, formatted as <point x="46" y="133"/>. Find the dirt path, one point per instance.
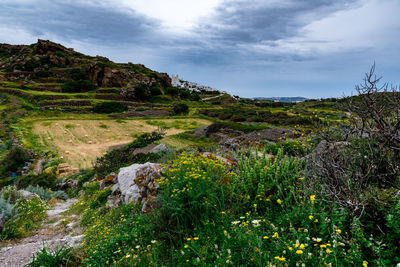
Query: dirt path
<point x="38" y="167"/>
<point x="57" y="230"/>
<point x="211" y="97"/>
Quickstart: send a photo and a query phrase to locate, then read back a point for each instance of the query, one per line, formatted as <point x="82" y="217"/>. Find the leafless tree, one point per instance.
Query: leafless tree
<point x="376" y="110"/>
<point x="369" y="152"/>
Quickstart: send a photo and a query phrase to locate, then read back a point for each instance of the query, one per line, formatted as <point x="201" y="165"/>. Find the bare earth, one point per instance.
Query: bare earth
<point x="57" y="230"/>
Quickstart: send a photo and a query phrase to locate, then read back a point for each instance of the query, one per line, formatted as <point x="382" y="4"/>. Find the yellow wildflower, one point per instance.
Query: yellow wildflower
<point x="279" y="201"/>
<point x="365" y="263"/>
<point x="299" y="252"/>
<point x="280" y="258"/>
<point x="312" y="198"/>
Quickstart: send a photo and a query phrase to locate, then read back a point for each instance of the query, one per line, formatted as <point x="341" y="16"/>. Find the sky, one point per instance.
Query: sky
<point x="250" y="48"/>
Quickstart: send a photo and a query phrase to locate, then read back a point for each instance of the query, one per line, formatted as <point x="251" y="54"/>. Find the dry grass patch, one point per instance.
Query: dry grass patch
<point x="80" y="142"/>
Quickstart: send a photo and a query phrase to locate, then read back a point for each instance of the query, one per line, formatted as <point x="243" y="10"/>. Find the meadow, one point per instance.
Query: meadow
<point x="81" y="141"/>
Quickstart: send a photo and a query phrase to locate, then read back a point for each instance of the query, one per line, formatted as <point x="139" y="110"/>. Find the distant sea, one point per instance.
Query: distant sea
<point x="283" y="99"/>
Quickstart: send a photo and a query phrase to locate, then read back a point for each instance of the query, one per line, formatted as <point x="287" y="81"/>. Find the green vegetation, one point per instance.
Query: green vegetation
<point x="14" y="159"/>
<point x="63" y="256"/>
<point x="124" y="156"/>
<point x="109" y="107"/>
<point x="329" y="196"/>
<point x="77" y="86"/>
<point x="241" y="114"/>
<point x="25" y="217"/>
<point x="180" y="108"/>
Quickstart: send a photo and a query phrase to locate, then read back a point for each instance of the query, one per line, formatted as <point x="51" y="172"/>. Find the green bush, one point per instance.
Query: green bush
<point x="77" y="86"/>
<point x="29" y="214"/>
<point x="78" y="74"/>
<point x="155" y="91"/>
<point x="184" y="94"/>
<point x="45" y="179"/>
<point x="7" y="209"/>
<point x="46" y="194"/>
<point x="124" y="156"/>
<point x="84" y="175"/>
<point x="14" y="159"/>
<point x="62" y="256"/>
<point x="263" y="176"/>
<point x="172" y="91"/>
<point x="180" y="108"/>
<point x="192" y="193"/>
<point x="42" y="74"/>
<point x="10" y="193"/>
<point x="109" y="107"/>
<point x="195" y="96"/>
<point x="142" y="91"/>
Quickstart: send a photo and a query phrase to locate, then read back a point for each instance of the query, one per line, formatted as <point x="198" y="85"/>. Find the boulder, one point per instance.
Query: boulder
<point x="200" y="131"/>
<point x="112" y="178"/>
<point x="114" y="200"/>
<point x="138" y="182"/>
<point x="159" y="148"/>
<point x="72" y="184"/>
<point x="331" y="151"/>
<point x="27" y="195"/>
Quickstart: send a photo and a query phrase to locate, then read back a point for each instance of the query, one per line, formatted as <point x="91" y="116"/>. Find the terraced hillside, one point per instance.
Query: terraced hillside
<point x="52" y="76"/>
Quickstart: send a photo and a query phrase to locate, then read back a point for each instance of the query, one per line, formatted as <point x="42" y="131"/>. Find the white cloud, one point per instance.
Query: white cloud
<point x="13" y="35"/>
<point x="372" y="25"/>
<point x="176" y="15"/>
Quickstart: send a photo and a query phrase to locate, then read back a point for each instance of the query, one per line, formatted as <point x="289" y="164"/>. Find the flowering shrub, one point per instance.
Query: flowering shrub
<point x="28" y="215"/>
<point x="263" y="181"/>
<point x="264" y="214"/>
<point x="192" y="191"/>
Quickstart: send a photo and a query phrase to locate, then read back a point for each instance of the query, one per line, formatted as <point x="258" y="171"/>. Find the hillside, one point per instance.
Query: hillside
<point x="108" y="164"/>
<point x="52" y="76"/>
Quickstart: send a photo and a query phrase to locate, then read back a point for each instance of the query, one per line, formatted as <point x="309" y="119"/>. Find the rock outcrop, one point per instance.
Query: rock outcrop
<point x="48" y="59"/>
<point x="229" y="139"/>
<point x="137" y="184"/>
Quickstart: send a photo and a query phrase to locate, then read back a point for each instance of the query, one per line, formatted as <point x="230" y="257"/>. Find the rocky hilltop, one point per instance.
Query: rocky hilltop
<point x="51" y="61"/>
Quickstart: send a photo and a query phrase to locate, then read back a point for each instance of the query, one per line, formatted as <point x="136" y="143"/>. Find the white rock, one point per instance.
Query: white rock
<point x="130" y="189"/>
<point x="159" y="148"/>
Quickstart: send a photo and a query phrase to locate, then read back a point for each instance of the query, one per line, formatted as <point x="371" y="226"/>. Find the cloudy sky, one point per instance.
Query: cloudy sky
<point x="311" y="48"/>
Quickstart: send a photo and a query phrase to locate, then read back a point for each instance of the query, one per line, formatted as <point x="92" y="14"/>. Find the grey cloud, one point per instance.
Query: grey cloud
<point x="78" y="20"/>
<point x="254" y="21"/>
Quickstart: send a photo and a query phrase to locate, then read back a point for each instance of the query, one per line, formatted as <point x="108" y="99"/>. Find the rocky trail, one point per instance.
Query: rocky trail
<point x="57" y="230"/>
